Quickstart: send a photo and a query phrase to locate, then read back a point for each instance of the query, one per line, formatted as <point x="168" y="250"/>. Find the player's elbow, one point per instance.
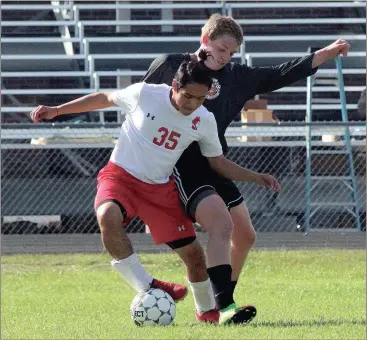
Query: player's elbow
<point x="107" y="98"/>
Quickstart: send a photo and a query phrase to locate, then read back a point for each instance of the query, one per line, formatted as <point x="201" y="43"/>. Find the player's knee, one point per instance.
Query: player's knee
<point x="245" y="235"/>
<point x="193" y="256"/>
<point x="223" y="227"/>
<point x="244" y="232"/>
<point x="108" y="215"/>
<point x="250" y="236"/>
<point x="225" y="230"/>
<point x="212" y="214"/>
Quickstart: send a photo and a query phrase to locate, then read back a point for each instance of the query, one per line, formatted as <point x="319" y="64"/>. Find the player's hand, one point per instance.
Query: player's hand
<point x="338" y="47"/>
<point x="43" y="112"/>
<point x="268" y="182"/>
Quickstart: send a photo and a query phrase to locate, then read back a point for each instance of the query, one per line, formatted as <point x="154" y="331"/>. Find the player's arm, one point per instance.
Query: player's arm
<point x="210" y="148"/>
<point x="268" y="79"/>
<point x="339" y="47"/>
<point x="126" y="99"/>
<point x="91" y="102"/>
<point x="231" y="170"/>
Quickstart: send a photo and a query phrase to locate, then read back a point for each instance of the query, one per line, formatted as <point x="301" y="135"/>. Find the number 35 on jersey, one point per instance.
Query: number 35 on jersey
<point x="169" y="139"/>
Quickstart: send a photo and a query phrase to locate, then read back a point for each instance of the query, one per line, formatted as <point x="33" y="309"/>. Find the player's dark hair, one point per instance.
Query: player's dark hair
<point x="191" y="72"/>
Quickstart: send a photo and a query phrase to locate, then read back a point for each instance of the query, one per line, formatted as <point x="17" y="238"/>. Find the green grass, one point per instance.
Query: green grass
<point x="299" y="295"/>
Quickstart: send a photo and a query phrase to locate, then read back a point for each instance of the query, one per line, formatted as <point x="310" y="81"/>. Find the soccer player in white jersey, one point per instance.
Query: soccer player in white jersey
<point x="161" y="122"/>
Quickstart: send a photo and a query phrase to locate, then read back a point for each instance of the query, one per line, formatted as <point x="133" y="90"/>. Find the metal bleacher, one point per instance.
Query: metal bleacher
<point x="76" y="56"/>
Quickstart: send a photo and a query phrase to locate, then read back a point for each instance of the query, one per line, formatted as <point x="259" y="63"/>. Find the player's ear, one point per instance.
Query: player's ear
<point x="205" y="39"/>
<point x="174" y="85"/>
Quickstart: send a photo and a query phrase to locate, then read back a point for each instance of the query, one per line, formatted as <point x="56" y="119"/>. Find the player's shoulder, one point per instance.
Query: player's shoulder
<point x="237" y="73"/>
<point x="154" y="89"/>
<point x="204" y="113"/>
<point x="236" y="68"/>
<point x="204" y="121"/>
<point x="172" y="59"/>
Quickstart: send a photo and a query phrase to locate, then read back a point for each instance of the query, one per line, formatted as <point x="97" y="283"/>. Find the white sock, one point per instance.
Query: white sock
<point x="133" y="272"/>
<point x="203" y="295"/>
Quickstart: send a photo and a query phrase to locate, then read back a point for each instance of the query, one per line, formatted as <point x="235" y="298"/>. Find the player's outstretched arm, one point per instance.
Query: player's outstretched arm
<point x="231" y="170"/>
<point x="91" y="102"/>
<point x="338" y="47"/>
<point x="271" y="78"/>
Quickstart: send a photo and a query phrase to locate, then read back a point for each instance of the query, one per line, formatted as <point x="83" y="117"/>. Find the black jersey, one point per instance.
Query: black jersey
<point x="234" y="84"/>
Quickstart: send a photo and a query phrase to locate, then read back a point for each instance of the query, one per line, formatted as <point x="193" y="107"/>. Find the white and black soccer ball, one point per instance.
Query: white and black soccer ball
<point x="153" y="307"/>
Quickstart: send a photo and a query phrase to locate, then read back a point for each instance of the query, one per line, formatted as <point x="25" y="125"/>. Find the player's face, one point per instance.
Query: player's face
<point x="221" y="51"/>
<point x="189" y="98"/>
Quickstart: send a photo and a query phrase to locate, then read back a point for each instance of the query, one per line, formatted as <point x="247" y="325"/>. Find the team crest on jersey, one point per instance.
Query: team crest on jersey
<point x="214" y="90"/>
<point x="195" y="123"/>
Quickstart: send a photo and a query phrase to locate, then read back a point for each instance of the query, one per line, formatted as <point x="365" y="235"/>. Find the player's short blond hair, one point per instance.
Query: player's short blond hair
<point x="219" y="25"/>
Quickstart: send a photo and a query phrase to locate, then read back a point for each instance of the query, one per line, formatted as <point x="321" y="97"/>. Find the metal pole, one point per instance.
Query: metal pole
<point x="347" y="139"/>
<point x="308" y="119"/>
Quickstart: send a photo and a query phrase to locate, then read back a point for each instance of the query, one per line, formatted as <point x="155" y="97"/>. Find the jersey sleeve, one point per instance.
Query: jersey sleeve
<point x="209" y="143"/>
<point x="127" y="99"/>
<point x="268" y="79"/>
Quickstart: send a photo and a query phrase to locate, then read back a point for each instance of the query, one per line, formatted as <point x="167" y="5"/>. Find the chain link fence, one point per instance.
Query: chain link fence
<point x="49" y="175"/>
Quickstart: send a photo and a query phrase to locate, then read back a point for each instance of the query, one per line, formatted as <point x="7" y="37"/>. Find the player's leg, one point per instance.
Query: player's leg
<point x="192" y="254"/>
<point x="110" y="220"/>
<point x="192" y="175"/>
<point x="211" y="213"/>
<point x="169" y="224"/>
<point x="221" y="273"/>
<point x="113" y="210"/>
<point x="244" y="235"/>
<point x="243" y="238"/>
<point x="208" y="209"/>
<point x="196" y="183"/>
<point x="118" y="245"/>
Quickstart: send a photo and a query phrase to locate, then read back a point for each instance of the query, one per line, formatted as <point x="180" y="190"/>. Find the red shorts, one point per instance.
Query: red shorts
<point x="158" y="205"/>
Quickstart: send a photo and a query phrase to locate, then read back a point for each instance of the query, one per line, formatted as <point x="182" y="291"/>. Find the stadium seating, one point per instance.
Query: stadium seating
<point x="83" y="47"/>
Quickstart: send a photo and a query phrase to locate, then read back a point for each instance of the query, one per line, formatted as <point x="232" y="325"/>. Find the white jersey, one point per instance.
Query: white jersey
<point x="154" y="134"/>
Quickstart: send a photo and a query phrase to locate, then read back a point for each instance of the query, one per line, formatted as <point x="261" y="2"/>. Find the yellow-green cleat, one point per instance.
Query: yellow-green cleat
<point x="237" y="315"/>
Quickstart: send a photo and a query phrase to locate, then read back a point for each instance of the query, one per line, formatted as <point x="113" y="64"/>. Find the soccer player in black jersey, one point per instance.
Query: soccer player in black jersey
<point x="211" y="200"/>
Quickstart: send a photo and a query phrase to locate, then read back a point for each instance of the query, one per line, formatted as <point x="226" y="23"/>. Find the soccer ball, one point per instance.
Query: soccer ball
<point x="153" y="307"/>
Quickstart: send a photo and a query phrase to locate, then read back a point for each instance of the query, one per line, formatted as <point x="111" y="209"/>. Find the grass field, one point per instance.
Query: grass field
<point x="299" y="295"/>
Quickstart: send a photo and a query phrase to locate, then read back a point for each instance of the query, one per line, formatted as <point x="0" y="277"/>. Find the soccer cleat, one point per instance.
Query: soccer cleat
<point x="238" y="315"/>
<point x="177" y="291"/>
<point x="211" y="316"/>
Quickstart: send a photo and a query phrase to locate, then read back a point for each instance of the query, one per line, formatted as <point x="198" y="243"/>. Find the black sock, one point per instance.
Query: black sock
<point x="220" y="276"/>
<point x="233" y="286"/>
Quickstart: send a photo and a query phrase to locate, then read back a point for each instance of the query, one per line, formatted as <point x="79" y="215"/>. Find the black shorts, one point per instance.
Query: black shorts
<point x="196" y="180"/>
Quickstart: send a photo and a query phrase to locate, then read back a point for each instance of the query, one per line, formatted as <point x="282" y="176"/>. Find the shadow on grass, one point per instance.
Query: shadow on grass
<point x="294" y="323"/>
<point x="283" y="324"/>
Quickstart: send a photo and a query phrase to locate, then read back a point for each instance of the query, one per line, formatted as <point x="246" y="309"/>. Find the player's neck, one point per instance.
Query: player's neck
<point x="172" y="101"/>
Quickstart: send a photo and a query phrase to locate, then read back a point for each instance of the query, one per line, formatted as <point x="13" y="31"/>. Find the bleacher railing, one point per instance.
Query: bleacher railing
<point x="60" y="180"/>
